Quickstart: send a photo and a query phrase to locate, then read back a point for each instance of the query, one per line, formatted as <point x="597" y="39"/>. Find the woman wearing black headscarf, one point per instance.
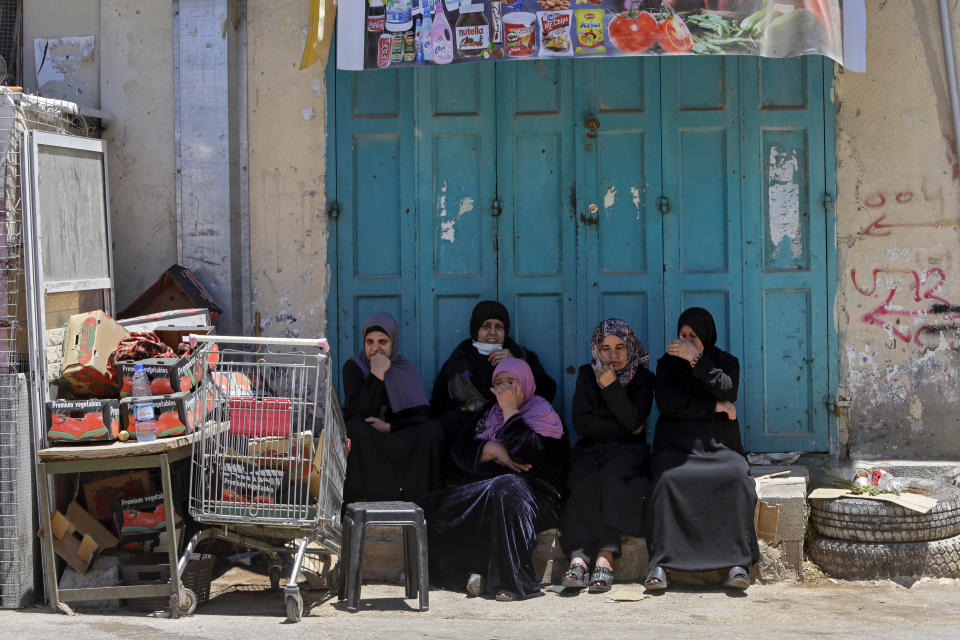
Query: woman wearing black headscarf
<point x="395" y="445"/>
<point x="462" y="388"/>
<point x="703" y="498"/>
<point x="607" y="481"/>
<point x="463" y="383"/>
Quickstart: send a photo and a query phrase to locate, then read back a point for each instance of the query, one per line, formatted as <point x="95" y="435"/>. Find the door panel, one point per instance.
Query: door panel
<point x="620" y="245"/>
<point x="456" y="186"/>
<point x="701" y="231"/>
<point x="537" y="237"/>
<point x="784" y="222"/>
<point x="376" y="229"/>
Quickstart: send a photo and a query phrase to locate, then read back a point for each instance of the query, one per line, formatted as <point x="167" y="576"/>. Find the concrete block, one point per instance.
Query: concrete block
<point x="791" y="495"/>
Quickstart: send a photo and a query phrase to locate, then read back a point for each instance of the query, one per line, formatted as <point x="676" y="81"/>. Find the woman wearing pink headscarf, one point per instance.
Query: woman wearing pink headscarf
<point x="482" y="534"/>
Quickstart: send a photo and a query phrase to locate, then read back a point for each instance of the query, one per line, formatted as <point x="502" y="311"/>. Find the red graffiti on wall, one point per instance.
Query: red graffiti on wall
<point x="925" y="287"/>
<point x="878" y="199"/>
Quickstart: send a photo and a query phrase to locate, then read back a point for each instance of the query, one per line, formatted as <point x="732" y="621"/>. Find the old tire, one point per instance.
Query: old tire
<point x="866" y="560"/>
<point x="862" y="520"/>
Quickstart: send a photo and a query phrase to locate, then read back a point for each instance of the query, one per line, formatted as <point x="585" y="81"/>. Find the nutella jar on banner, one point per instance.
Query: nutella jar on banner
<point x="472" y="33"/>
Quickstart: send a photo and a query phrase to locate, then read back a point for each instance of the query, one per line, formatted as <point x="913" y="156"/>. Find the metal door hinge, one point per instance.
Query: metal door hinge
<point x="496" y="208"/>
<point x="663" y="203"/>
<point x="333" y="210"/>
<point x="828" y="202"/>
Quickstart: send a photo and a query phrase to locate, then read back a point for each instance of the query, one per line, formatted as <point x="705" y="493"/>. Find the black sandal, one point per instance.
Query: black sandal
<point x="600" y="580"/>
<point x="737" y="578"/>
<point x="506" y="596"/>
<point x="656" y="579"/>
<point x="575" y="577"/>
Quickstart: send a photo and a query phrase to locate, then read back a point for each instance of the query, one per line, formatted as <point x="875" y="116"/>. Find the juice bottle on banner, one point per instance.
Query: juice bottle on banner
<point x="418" y="36"/>
<point x="399" y="15"/>
<point x="376" y="19"/>
<point x="409" y="46"/>
<point x="427" y="26"/>
<point x="441" y="38"/>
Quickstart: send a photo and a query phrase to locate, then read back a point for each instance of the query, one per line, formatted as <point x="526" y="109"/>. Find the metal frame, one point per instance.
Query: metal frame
<point x="37" y="286"/>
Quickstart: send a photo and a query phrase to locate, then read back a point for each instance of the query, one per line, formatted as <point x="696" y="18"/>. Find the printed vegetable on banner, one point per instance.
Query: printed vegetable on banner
<point x="376" y="34"/>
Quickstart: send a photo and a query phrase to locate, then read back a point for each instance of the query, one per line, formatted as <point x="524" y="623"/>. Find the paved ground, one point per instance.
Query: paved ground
<point x="243" y="608"/>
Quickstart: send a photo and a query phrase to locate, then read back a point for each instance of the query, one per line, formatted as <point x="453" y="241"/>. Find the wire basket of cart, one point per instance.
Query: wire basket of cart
<point x="269" y="472"/>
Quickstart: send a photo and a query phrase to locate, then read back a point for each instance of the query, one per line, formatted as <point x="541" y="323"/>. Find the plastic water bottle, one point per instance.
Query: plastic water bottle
<point x="143" y="413"/>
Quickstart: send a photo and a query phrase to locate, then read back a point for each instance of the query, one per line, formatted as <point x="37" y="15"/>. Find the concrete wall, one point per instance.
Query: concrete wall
<point x="136" y="46"/>
<point x="56" y="19"/>
<point x="898" y="209"/>
<point x="287" y="129"/>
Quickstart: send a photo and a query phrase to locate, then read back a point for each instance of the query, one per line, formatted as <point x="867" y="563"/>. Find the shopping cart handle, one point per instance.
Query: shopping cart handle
<point x="324" y="345"/>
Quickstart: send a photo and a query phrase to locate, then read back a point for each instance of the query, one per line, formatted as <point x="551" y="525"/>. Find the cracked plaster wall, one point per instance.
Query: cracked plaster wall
<point x="897" y="307"/>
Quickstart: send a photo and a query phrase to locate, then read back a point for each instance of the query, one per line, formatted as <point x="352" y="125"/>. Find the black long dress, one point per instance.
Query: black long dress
<point x="607" y="481"/>
<point x="403" y="464"/>
<point x="489" y="525"/>
<point x="703" y="497"/>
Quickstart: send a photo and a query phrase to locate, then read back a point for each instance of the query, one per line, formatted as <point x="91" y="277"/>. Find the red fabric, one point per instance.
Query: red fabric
<point x="138" y="346"/>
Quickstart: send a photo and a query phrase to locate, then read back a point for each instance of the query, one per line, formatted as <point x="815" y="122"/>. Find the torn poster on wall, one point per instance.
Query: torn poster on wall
<point x="375" y="34"/>
<point x="65" y="69"/>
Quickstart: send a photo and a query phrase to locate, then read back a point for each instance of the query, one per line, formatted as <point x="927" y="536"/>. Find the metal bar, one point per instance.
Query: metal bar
<point x="950" y="61"/>
<point x="49" y="556"/>
<point x="114" y="464"/>
<point x="119" y="591"/>
<point x="175" y="588"/>
<point x="320" y="343"/>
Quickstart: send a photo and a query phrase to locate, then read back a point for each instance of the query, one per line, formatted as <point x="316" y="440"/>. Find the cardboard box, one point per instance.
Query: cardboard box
<point x="182" y="318"/>
<point x="304" y="463"/>
<point x="176" y="414"/>
<point x="177" y="288"/>
<point x="167" y="375"/>
<point x="76" y="421"/>
<point x="103" y="496"/>
<point x="141" y="523"/>
<point x="90" y="339"/>
<point x="78" y="537"/>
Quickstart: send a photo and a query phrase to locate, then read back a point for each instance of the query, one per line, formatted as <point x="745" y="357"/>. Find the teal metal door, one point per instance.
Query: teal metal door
<point x="578" y="190"/>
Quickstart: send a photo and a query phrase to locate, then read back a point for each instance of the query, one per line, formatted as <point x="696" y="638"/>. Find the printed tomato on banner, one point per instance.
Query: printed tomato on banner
<point x="409" y="33"/>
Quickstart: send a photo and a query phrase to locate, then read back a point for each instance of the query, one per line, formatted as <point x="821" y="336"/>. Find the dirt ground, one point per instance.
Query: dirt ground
<point x="242" y="606"/>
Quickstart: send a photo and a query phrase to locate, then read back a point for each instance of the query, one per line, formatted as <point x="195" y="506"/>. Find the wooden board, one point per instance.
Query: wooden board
<point x="121" y="449"/>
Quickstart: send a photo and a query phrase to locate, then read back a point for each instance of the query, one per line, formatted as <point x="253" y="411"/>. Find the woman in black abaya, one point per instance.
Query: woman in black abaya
<point x="608" y="466"/>
<point x="703" y="498"/>
<point x="482" y="534"/>
<point x="395" y="445"/>
<point x="461" y="390"/>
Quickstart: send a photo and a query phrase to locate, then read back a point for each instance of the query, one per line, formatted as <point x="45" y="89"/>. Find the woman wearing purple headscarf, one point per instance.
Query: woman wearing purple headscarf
<point x="395" y="445"/>
<point x="607" y="481"/>
<point x="483" y="533"/>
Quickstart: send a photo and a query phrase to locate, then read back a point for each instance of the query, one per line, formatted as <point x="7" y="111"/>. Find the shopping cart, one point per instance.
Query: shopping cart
<point x="268" y="469"/>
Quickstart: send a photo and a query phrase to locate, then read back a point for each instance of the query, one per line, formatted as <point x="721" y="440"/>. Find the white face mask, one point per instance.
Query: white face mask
<point x="485" y="348"/>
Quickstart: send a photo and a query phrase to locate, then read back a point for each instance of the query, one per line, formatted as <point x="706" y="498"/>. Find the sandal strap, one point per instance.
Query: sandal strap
<point x="601" y="575"/>
<point x="576" y="570"/>
<point x="656" y="574"/>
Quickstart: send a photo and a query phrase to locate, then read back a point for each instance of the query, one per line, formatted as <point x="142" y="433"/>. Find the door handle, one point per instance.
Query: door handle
<point x="592" y="125"/>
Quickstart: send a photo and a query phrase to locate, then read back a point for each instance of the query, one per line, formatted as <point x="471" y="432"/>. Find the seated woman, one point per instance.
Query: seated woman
<point x="703" y="497"/>
<point x="482" y="534"/>
<point x="463" y="385"/>
<point x="395" y="445"/>
<point x="608" y="466"/>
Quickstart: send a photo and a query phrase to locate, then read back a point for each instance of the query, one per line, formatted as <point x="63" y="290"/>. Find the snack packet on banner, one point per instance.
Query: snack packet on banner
<point x="556" y="33"/>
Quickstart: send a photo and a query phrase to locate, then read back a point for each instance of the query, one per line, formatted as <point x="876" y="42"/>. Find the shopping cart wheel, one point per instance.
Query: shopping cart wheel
<point x="189" y="602"/>
<point x="294" y="607"/>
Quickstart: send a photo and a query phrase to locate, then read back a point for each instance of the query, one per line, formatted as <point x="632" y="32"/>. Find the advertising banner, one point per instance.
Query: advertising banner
<point x="377" y="34"/>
